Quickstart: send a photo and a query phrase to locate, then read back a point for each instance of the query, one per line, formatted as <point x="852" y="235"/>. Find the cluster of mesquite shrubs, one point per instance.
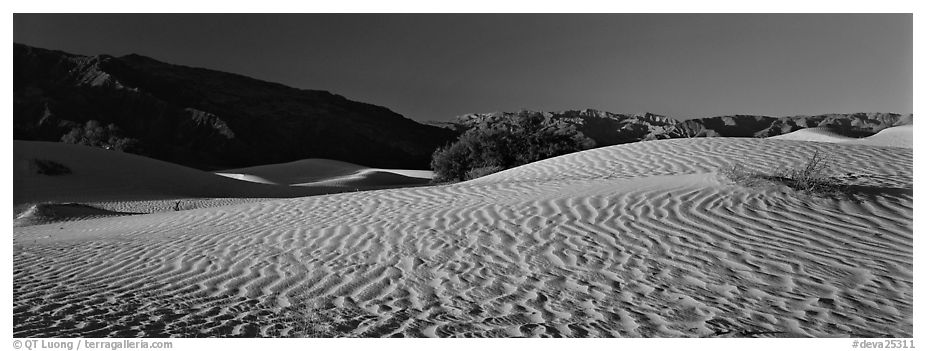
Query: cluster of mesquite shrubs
<point x="487" y="148"/>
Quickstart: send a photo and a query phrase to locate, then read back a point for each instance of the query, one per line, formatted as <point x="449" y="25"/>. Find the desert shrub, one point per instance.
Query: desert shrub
<point x="451" y="162"/>
<point x="48" y="167"/>
<point x="524" y="138"/>
<point x="94" y="134"/>
<point x="308" y="320"/>
<point x="741" y="175"/>
<point x="814" y="177"/>
<point x="482" y="172"/>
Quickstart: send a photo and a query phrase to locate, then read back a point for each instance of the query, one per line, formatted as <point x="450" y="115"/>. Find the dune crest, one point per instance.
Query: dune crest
<point x="333" y="173"/>
<point x="95" y="174"/>
<point x="57" y="175"/>
<point x="899" y="136"/>
<point x="820" y="134"/>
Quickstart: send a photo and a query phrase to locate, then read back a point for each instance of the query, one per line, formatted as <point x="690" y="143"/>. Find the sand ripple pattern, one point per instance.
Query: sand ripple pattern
<point x="638" y="240"/>
<point x="685" y="156"/>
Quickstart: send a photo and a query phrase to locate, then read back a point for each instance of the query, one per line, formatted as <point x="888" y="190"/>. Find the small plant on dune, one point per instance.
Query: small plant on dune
<point x="814" y="177"/>
<point x="303" y="319"/>
<point x="307" y="322"/>
<point x="739" y="174"/>
<point x="299" y="321"/>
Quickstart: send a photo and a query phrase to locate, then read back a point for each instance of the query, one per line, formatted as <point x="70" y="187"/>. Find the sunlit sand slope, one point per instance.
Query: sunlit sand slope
<point x="303" y="171"/>
<point x="635" y="240"/>
<point x="814" y="134"/>
<point x="323" y="172"/>
<point x="900" y="136"/>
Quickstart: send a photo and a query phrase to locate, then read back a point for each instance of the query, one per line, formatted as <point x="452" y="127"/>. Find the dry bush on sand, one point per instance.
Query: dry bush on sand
<point x="815" y="177"/>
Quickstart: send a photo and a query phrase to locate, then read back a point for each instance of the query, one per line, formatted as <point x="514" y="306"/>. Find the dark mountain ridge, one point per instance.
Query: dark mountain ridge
<point x="607" y="128"/>
<point x="215" y="120"/>
<point x="207" y="119"/>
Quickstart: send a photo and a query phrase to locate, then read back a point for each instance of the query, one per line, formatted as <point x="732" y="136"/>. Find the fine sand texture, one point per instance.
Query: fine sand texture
<point x="636" y="240"/>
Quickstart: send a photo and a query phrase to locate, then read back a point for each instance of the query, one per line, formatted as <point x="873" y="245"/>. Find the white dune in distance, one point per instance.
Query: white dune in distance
<point x="899" y="136"/>
<point x="333" y="173"/>
<point x="814" y="134"/>
<point x="635" y="240"/>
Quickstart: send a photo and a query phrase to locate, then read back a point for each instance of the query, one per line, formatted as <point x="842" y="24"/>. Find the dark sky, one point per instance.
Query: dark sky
<point x="436" y="66"/>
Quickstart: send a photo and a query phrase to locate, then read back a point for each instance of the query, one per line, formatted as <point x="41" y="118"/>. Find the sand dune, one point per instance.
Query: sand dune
<point x="303" y="171"/>
<point x="634" y="240"/>
<point x="246" y="177"/>
<point x="814" y="134"/>
<point x="323" y="172"/>
<point x="900" y="136"/>
<point x="101" y="175"/>
<point x="48" y="213"/>
<point x="376" y="178"/>
<point x="100" y="183"/>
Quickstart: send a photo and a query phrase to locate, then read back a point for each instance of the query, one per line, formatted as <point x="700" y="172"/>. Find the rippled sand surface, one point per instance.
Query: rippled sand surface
<point x="635" y="240"/>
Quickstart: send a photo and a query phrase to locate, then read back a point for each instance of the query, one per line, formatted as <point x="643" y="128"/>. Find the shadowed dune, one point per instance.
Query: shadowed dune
<point x="102" y="175"/>
<point x="60" y="178"/>
<point x="49" y="213"/>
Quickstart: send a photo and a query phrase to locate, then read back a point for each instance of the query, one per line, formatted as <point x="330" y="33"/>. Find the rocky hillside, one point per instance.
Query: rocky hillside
<point x="607" y="128"/>
<point x="204" y="118"/>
